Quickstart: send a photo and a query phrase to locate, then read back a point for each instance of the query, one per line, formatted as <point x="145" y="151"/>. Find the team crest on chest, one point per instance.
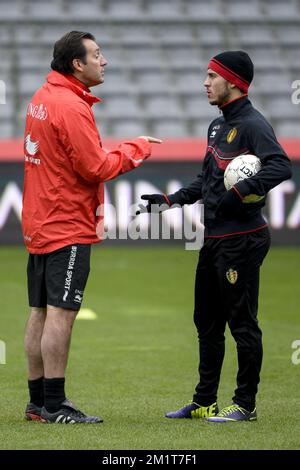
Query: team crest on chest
<point x="231" y="135"/>
<point x="231" y="276"/>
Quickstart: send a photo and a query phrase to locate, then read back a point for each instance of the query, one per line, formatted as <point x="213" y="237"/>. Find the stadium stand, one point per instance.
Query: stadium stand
<point x="157" y="52"/>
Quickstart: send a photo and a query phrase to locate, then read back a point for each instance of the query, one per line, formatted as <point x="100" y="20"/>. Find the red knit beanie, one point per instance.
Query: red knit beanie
<point x="235" y="66"/>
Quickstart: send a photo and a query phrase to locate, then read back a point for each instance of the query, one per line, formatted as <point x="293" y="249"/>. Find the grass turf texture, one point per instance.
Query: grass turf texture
<point x="139" y="358"/>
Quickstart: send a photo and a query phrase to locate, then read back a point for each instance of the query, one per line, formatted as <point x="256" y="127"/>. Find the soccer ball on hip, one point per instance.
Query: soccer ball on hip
<point x="241" y="167"/>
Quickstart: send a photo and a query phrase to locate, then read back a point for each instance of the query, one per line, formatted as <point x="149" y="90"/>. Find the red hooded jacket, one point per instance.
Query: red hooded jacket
<point x="65" y="166"/>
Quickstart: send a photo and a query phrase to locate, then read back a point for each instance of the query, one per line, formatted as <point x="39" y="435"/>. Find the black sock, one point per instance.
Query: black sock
<point x="36" y="391"/>
<point x="54" y="393"/>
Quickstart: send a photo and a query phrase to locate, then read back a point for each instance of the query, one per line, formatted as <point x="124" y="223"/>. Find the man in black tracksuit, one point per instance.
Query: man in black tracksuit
<point x="236" y="239"/>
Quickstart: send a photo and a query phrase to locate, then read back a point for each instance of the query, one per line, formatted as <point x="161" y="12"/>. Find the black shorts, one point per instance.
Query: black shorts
<point x="59" y="278"/>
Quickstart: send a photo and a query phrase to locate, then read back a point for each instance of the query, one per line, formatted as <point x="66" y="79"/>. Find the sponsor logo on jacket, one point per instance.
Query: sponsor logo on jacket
<point x="37" y="111"/>
<point x="31" y="146"/>
<point x="214" y="131"/>
<point x="32" y="149"/>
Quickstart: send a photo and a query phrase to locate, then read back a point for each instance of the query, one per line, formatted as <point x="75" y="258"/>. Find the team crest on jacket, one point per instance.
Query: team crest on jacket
<point x="232" y="276"/>
<point x="231" y="135"/>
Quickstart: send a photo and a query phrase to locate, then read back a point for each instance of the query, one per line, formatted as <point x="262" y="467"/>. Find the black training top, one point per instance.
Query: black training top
<point x="241" y="130"/>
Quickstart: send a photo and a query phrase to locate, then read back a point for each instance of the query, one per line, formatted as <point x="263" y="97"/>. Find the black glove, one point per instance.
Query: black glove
<point x="230" y="205"/>
<point x="160" y="203"/>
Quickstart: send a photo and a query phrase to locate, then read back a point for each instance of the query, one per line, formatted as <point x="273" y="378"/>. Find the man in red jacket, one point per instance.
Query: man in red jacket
<point x="65" y="169"/>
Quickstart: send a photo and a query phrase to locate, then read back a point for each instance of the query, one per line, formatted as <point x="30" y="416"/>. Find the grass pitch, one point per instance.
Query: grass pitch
<point x="139" y="358"/>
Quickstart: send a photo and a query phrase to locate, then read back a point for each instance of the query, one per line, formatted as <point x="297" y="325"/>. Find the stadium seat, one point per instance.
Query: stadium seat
<point x="158" y="9"/>
<point x="257" y="34"/>
<point x="125" y="10"/>
<point x="199" y="127"/>
<point x="116" y="83"/>
<point x="34" y="60"/>
<point x="6" y="81"/>
<point x="185" y="57"/>
<point x="136" y="35"/>
<point x="288" y="34"/>
<point x="179" y="34"/>
<point x="7" y="129"/>
<point x="283" y="108"/>
<point x="270" y="82"/>
<point x="13" y="10"/>
<point x="7" y="109"/>
<point x="191" y="82"/>
<point x="170" y="128"/>
<point x="152" y="82"/>
<point x="204" y="10"/>
<point x="45" y="10"/>
<point x="78" y="10"/>
<point x="162" y="106"/>
<point x="282" y="10"/>
<point x="30" y="83"/>
<point x="267" y="57"/>
<point x="291" y="57"/>
<point x="5" y="35"/>
<point x="127" y="129"/>
<point x="49" y="34"/>
<point x="288" y="129"/>
<point x="120" y="106"/>
<point x="198" y="107"/>
<point x="242" y="10"/>
<point x="211" y="35"/>
<point x="144" y="58"/>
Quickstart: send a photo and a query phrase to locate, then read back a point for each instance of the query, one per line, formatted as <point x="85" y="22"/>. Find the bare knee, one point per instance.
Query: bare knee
<point x="56" y="340"/>
<point x="38" y="311"/>
<point x="58" y="328"/>
<point x="60" y="318"/>
<point x="34" y="329"/>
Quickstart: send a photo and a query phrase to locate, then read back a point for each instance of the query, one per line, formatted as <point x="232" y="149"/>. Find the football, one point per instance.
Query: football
<point x="241" y="167"/>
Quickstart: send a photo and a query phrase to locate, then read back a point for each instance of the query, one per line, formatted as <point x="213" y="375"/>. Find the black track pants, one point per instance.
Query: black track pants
<point x="226" y="291"/>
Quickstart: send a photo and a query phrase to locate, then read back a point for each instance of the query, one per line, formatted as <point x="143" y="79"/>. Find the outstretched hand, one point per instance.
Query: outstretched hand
<point x="152" y="140"/>
<point x="156" y="203"/>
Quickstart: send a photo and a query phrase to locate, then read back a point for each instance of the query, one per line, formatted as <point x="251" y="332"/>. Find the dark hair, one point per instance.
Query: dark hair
<point x="68" y="48"/>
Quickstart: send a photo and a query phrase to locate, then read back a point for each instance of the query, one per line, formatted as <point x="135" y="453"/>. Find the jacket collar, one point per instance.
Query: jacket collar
<point x="234" y="108"/>
<point x="72" y="83"/>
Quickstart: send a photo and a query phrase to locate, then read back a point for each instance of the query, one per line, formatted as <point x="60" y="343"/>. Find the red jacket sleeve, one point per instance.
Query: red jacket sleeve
<point x="80" y="138"/>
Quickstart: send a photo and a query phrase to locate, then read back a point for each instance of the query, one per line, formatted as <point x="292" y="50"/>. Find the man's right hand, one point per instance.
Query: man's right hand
<point x="152" y="140"/>
<point x="156" y="203"/>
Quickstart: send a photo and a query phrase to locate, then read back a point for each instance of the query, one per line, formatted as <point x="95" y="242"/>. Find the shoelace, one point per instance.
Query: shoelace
<point x="230" y="409"/>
